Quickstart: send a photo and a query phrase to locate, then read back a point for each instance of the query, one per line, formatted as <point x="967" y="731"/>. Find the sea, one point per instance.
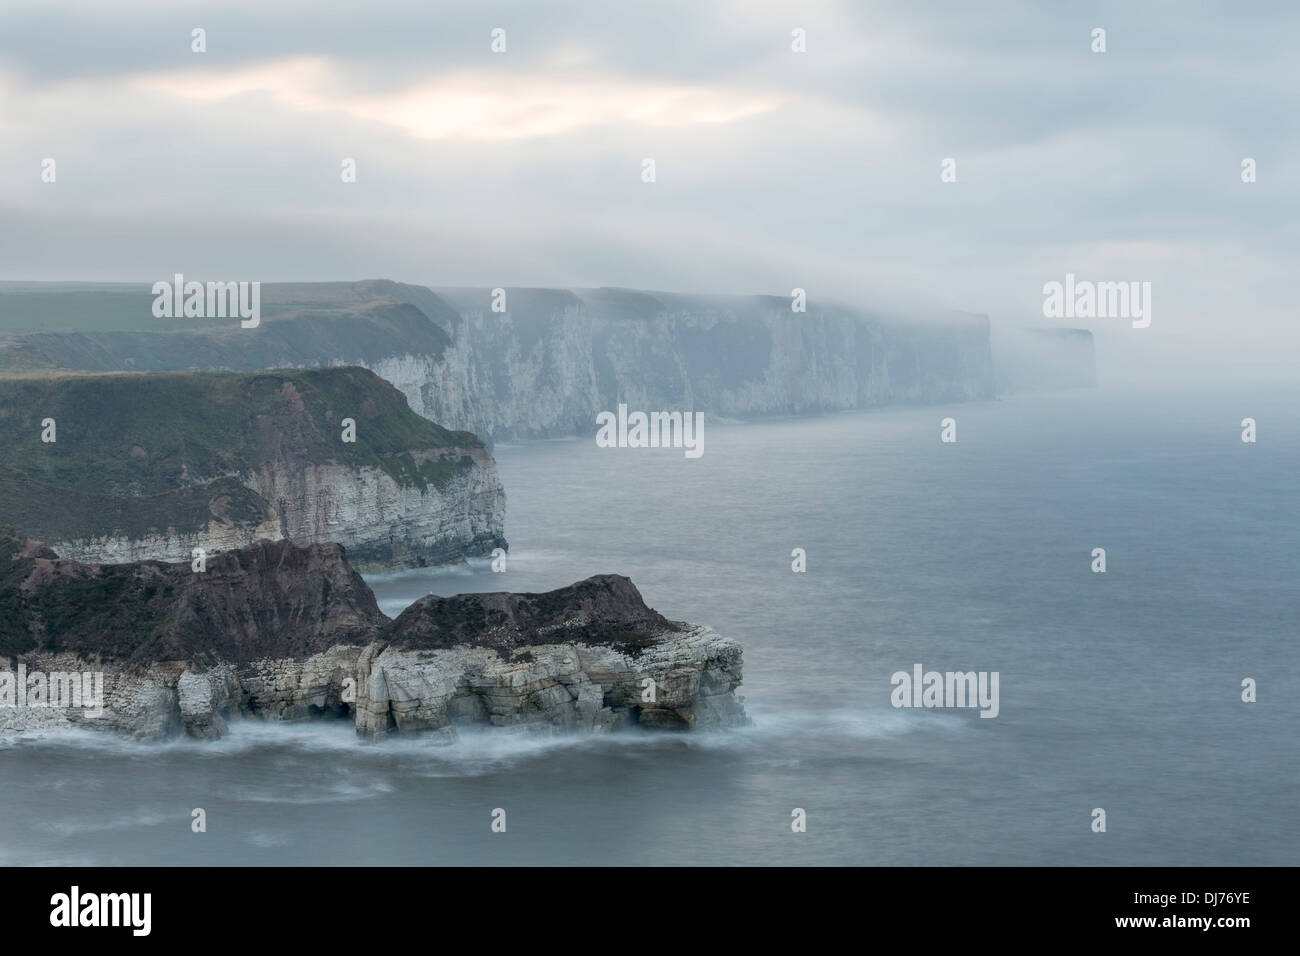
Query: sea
<point x="1119" y="691"/>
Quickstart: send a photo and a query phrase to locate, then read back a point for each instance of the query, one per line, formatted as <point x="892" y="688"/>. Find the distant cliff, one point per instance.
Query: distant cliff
<point x="151" y="466"/>
<point x="546" y="364"/>
<point x="285" y="632"/>
<point x="1036" y="359"/>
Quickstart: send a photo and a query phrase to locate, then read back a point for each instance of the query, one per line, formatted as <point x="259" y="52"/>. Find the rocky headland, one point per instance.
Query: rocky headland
<point x="111" y="468"/>
<point x="283" y="631"/>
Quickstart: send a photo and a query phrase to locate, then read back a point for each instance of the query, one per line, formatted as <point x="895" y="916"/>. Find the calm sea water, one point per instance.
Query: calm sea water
<point x="1119" y="690"/>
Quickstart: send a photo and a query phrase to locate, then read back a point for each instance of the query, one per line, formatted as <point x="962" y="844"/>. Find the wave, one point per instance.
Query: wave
<point x="79" y="825"/>
<point x="479" y="751"/>
<point x="857" y="725"/>
<point x="306" y="793"/>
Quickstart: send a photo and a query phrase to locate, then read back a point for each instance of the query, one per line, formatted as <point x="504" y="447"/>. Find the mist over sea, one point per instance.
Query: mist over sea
<point x="1119" y="690"/>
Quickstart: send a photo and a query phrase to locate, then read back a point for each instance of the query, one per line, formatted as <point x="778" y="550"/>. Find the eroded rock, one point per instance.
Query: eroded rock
<point x="286" y="632"/>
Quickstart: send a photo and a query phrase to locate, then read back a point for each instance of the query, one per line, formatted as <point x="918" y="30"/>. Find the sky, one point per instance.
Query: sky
<point x="774" y="169"/>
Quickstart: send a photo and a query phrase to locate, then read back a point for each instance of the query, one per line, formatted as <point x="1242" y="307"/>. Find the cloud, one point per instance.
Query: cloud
<point x="470" y="105"/>
<point x="775" y="169"/>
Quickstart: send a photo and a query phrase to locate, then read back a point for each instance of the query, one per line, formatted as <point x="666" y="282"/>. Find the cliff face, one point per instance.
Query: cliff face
<point x="283" y="632"/>
<point x="152" y="466"/>
<point x="683" y="679"/>
<point x="554" y="358"/>
<point x="591" y="656"/>
<point x="164" y="640"/>
<point x="273" y="598"/>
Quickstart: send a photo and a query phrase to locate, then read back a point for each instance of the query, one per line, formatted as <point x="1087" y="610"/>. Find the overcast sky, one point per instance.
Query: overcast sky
<point x="775" y="169"/>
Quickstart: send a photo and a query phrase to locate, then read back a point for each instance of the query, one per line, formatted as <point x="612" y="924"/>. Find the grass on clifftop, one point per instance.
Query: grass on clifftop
<point x="124" y="437"/>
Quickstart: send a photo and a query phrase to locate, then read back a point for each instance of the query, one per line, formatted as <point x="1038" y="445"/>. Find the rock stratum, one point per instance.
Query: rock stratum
<point x="152" y="466"/>
<point x="282" y="631"/>
<point x="543" y="367"/>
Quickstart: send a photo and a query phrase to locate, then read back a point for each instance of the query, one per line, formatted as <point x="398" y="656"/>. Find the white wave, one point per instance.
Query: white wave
<point x="81" y="824"/>
<point x="268" y="841"/>
<point x="854" y="724"/>
<point x="477" y="751"/>
<point x="301" y="793"/>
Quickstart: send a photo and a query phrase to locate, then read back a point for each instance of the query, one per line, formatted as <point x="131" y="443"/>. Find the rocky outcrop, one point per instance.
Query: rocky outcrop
<point x="169" y="647"/>
<point x="287" y="632"/>
<point x="590" y="656"/>
<point x="554" y="358"/>
<point x="153" y="466"/>
<point x="273" y="598"/>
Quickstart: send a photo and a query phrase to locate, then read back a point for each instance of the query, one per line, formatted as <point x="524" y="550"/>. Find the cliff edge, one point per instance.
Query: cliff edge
<point x="112" y="468"/>
<point x="530" y="363"/>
